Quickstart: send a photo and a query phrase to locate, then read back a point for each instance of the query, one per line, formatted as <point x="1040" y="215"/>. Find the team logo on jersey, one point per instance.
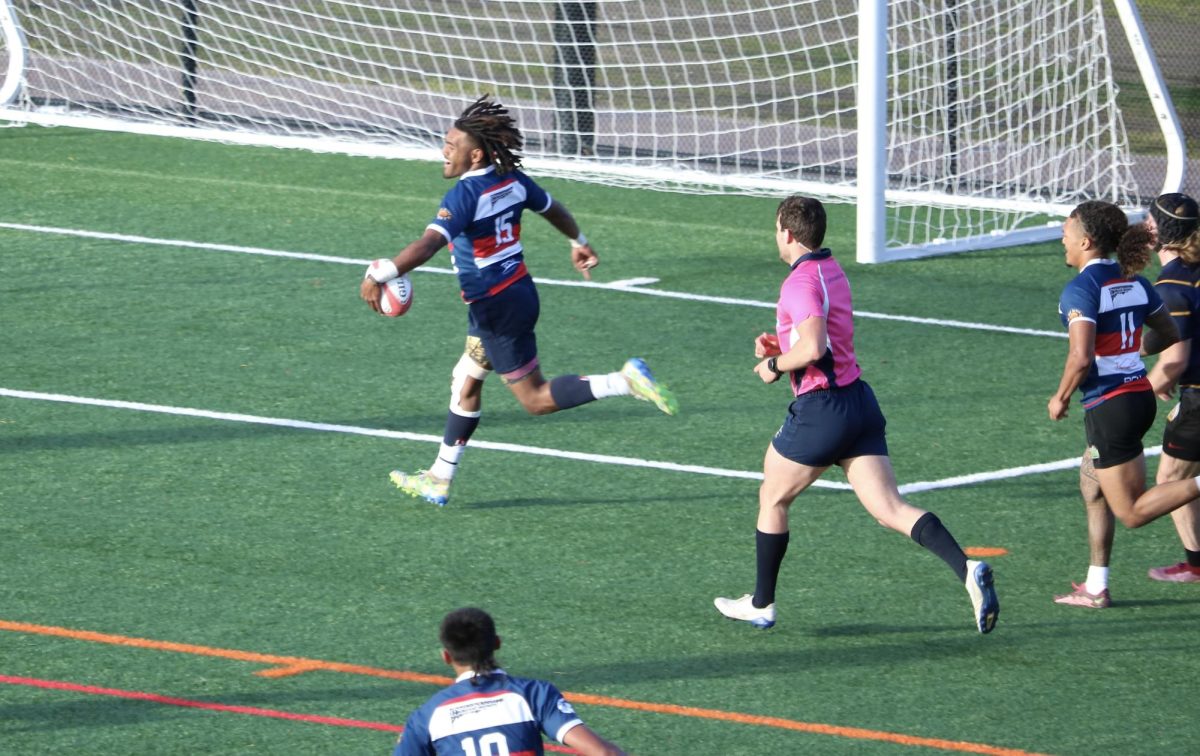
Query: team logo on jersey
<point x="565" y="707"/>
<point x="1073" y="314"/>
<point x="1116" y="291"/>
<point x="444" y="214"/>
<point x="497" y="196"/>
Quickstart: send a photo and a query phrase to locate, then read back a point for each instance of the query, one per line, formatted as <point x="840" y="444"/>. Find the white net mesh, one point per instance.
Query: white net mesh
<point x="990" y="99"/>
<point x="1007" y="100"/>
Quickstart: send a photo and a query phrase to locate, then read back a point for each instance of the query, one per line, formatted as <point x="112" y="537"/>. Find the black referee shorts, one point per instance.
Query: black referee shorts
<point x="1115" y="427"/>
<point x="824" y="427"/>
<point x="1181" y="437"/>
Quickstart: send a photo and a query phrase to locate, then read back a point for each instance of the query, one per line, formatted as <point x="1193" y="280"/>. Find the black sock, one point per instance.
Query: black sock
<point x="930" y="533"/>
<point x="570" y="391"/>
<point x="459" y="429"/>
<point x="1193" y="558"/>
<point x="769" y="549"/>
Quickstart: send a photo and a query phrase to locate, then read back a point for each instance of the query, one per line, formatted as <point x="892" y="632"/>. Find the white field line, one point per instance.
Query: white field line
<point x="382" y="433"/>
<point x="632" y="286"/>
<point x="909" y="488"/>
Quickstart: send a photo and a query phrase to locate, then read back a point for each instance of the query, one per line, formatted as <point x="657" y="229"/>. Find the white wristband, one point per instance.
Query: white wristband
<point x="579" y="241"/>
<point x="382" y="270"/>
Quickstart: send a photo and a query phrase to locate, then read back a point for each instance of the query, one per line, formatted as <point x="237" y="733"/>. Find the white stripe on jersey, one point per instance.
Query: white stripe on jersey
<point x="1122" y="294"/>
<point x="504" y="254"/>
<point x="441" y="231"/>
<point x="562" y="731"/>
<point x="479" y="712"/>
<point x="494" y="201"/>
<point x="1119" y="364"/>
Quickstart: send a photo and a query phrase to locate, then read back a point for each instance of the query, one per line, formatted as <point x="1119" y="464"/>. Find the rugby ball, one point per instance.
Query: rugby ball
<point x="395" y="296"/>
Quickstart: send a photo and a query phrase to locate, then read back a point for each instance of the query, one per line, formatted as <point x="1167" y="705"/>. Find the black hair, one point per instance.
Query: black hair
<point x="469" y="636"/>
<point x="1106" y="225"/>
<point x="494" y="131"/>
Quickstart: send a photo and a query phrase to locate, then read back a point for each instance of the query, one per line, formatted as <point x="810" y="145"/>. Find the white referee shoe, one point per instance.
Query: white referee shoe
<point x="743" y="609"/>
<point x="983" y="595"/>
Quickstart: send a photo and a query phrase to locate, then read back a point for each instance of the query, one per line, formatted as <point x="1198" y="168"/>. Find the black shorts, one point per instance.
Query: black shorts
<point x="1181" y="437"/>
<point x="504" y="323"/>
<point x="1115" y="427"/>
<point x="825" y="427"/>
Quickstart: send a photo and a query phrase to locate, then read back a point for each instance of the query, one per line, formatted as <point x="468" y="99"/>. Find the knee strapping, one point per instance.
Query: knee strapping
<point x="465" y="368"/>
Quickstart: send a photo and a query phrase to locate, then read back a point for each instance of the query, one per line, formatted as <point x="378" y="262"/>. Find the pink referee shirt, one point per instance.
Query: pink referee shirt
<point x="817" y="287"/>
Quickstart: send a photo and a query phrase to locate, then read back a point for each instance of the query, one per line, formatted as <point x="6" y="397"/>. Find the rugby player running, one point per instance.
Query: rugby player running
<point x="1104" y="308"/>
<point x="480" y="218"/>
<point x="1175" y="218"/>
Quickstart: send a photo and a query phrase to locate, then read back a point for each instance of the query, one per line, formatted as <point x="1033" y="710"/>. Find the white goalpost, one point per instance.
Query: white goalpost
<point x="950" y="124"/>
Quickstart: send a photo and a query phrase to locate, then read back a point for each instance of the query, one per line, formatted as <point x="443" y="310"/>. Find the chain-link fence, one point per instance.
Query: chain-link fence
<point x="1173" y="27"/>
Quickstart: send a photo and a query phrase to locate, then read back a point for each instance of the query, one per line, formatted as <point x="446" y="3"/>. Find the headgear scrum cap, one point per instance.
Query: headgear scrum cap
<point x="1176" y="215"/>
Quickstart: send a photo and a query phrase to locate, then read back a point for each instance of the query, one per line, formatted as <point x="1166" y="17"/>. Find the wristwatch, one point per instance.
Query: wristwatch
<point x="773" y="367"/>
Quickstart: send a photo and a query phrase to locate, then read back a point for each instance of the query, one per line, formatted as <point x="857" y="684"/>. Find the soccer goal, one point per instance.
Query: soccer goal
<point x="951" y="124"/>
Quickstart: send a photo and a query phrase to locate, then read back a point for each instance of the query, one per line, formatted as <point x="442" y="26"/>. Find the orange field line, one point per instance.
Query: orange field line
<point x="289" y="665"/>
<point x="254" y="711"/>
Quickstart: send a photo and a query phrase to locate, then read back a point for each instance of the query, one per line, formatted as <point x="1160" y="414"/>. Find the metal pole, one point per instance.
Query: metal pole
<point x="191" y="19"/>
<point x="14" y="42"/>
<point x="1160" y="99"/>
<point x="951" y="37"/>
<point x="871" y="103"/>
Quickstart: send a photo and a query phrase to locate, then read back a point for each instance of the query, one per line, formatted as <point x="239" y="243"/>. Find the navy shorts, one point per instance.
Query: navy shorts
<point x="825" y="427"/>
<point x="1181" y="437"/>
<point x="1115" y="427"/>
<point x="504" y="323"/>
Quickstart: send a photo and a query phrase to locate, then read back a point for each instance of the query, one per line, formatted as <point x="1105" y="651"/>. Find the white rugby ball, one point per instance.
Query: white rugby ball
<point x="395" y="296"/>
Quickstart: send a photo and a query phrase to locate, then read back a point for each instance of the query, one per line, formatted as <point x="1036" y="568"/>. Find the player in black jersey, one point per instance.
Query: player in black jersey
<point x="1176" y="218"/>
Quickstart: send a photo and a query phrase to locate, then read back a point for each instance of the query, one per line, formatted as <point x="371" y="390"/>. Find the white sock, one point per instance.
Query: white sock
<point x="447" y="461"/>
<point x="610" y="384"/>
<point x="1097" y="579"/>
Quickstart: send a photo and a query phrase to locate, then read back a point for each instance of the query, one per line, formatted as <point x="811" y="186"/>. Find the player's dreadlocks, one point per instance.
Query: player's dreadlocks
<point x="495" y="131"/>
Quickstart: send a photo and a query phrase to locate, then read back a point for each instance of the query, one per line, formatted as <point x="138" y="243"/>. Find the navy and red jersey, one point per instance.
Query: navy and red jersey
<point x="488" y="714"/>
<point x="1118" y="306"/>
<point x="1179" y="286"/>
<point x="481" y="218"/>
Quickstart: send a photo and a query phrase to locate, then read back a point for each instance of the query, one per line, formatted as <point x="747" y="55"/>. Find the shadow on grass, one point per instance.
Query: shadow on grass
<point x="549" y="501"/>
<point x="761" y="662"/>
<point x="106" y="711"/>
<point x="215" y="430"/>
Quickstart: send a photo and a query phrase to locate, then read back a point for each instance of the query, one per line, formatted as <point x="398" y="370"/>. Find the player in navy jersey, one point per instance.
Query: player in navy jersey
<point x="1176" y="221"/>
<point x="480" y="218"/>
<point x="1104" y="308"/>
<point x="487" y="712"/>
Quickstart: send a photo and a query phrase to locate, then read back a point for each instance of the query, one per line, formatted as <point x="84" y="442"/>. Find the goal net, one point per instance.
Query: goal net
<point x="999" y="113"/>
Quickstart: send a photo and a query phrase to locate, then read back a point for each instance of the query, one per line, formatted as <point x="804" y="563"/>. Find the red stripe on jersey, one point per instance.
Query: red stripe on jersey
<point x="472" y="696"/>
<point x="1109" y="344"/>
<point x="486" y="246"/>
<point x="1141" y="384"/>
<point x="497" y="187"/>
<point x="517" y="275"/>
